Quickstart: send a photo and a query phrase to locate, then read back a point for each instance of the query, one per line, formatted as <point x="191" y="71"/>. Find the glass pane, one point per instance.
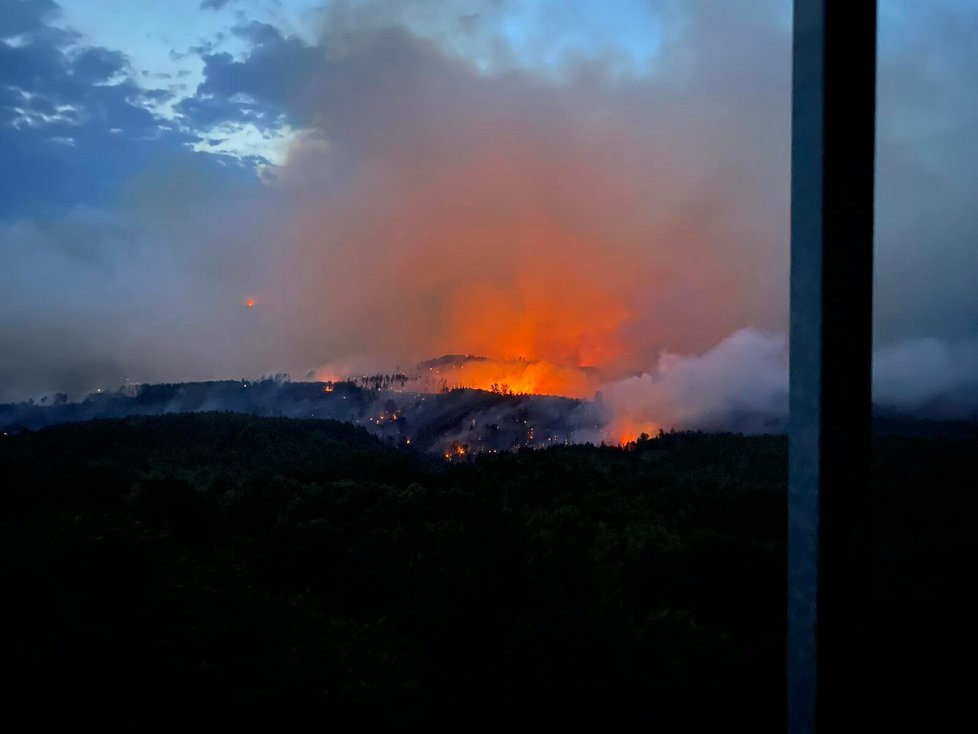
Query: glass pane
<point x="926" y="360"/>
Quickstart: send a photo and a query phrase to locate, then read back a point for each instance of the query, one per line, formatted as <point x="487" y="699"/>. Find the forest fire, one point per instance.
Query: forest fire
<point x="456" y="451"/>
<point x="625" y="432"/>
<point x="566" y="262"/>
<point x="509" y="377"/>
<point x="739" y="385"/>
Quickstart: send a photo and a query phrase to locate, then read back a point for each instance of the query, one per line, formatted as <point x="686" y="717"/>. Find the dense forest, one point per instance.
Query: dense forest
<point x="236" y="569"/>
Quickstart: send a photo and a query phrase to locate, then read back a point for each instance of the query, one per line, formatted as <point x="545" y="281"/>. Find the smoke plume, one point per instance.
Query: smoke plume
<point x="582" y="226"/>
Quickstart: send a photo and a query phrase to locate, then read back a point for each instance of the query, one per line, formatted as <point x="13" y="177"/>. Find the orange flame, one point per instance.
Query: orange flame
<point x="517" y="377"/>
<point x="625" y="431"/>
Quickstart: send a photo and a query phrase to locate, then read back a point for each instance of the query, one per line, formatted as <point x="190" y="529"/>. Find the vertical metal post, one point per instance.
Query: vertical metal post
<point x="832" y="154"/>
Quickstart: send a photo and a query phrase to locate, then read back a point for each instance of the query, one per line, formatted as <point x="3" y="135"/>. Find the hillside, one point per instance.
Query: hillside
<point x="434" y="422"/>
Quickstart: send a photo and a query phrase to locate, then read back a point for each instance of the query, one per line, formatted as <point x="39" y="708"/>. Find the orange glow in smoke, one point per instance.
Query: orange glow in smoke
<point x="250" y="303"/>
<point x="517" y="377"/>
<point x="555" y="295"/>
<point x="553" y="229"/>
<point x="625" y="430"/>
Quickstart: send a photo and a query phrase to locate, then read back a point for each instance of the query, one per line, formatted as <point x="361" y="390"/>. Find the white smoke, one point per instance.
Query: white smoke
<point x="742" y="384"/>
<point x="928" y="376"/>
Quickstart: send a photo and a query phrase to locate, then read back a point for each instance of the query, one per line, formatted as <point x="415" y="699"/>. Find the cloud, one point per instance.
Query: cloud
<point x="94" y="65"/>
<point x="26" y="16"/>
<point x="53" y="90"/>
<point x="267" y="79"/>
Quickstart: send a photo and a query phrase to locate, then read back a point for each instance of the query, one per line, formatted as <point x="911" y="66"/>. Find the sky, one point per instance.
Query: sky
<point x="576" y="184"/>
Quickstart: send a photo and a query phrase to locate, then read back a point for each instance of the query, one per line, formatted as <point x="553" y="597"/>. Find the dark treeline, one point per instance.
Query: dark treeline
<point x="231" y="568"/>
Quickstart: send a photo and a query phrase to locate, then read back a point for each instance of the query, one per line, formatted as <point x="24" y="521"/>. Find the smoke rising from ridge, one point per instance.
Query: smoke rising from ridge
<point x="444" y="198"/>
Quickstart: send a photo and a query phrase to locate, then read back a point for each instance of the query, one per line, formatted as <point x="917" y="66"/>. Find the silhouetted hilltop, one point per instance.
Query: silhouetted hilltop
<point x="453" y="424"/>
<point x="433" y="422"/>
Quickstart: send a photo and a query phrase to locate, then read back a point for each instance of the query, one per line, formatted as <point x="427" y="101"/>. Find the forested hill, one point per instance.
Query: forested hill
<point x="227" y="568"/>
<point x="475" y="420"/>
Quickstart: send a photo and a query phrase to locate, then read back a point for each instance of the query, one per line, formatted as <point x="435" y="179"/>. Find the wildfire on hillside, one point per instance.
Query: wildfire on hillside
<point x="509" y="377"/>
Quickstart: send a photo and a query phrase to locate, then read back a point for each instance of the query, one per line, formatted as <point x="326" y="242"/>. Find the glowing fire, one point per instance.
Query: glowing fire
<point x="515" y="377"/>
<point x="625" y="431"/>
<point x="456" y="451"/>
<point x="250" y="303"/>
